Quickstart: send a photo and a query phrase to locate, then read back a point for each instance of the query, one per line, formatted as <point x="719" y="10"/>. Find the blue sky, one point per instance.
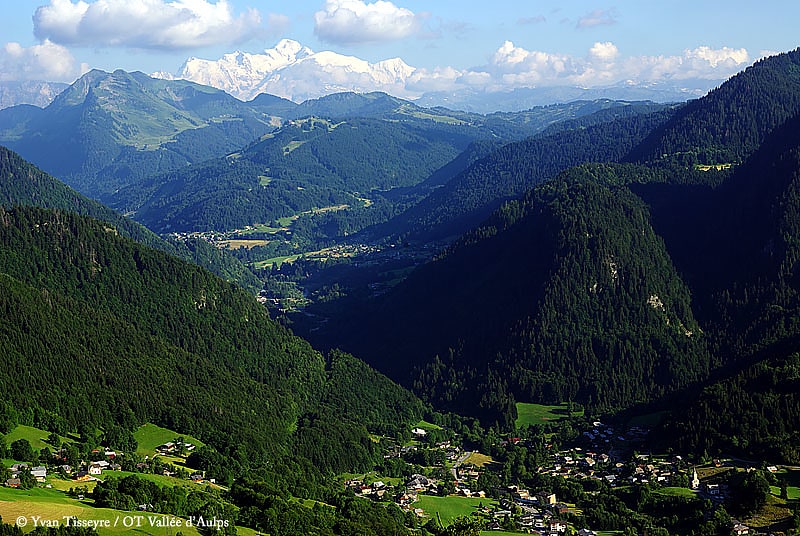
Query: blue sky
<point x="516" y="42"/>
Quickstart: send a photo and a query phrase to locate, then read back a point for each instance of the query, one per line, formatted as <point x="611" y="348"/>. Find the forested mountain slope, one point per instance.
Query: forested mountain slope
<point x="618" y="283"/>
<point x="743" y="270"/>
<point x="508" y="172"/>
<point x="551" y="299"/>
<point x="23" y="184"/>
<point x="731" y="121"/>
<point x="97" y="329"/>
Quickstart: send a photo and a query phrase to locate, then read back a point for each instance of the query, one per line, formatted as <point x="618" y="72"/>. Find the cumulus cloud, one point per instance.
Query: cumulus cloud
<point x="150" y="24"/>
<point x="605" y="52"/>
<point x="515" y="66"/>
<point x="355" y="21"/>
<point x="598" y="17"/>
<point x="46" y="61"/>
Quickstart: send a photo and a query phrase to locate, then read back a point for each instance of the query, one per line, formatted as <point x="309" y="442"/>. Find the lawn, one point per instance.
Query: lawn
<point x="528" y="414"/>
<point x="149" y="436"/>
<point x="677" y="492"/>
<point x="449" y="508"/>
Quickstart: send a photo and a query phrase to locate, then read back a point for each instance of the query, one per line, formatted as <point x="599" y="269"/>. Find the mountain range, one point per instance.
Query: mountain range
<point x="295" y="72"/>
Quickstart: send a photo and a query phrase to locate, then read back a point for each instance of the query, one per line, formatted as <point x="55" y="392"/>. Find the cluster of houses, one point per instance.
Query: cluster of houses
<point x="39" y="473"/>
<point x="175" y="447"/>
<point x="88" y="470"/>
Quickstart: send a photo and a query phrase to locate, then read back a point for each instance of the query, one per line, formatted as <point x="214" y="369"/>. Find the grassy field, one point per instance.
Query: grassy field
<point x="479" y="460"/>
<point x="53" y="505"/>
<point x="677" y="492"/>
<point x="149" y="436"/>
<point x="451" y="507"/>
<point x="241" y="243"/>
<point x="425" y="425"/>
<point x="792" y="478"/>
<point x="528" y="414"/>
<point x="35" y="436"/>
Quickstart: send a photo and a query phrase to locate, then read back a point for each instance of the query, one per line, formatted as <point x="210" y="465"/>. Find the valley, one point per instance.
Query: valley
<point x="356" y="315"/>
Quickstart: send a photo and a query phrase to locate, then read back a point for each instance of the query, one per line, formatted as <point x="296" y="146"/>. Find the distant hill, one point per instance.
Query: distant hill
<point x="506" y="173"/>
<point x="128" y="125"/>
<point x="36" y="93"/>
<point x="346" y="150"/>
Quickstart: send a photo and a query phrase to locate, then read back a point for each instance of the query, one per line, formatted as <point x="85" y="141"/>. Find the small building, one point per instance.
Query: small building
<point x="39" y="473"/>
<point x="13" y="482"/>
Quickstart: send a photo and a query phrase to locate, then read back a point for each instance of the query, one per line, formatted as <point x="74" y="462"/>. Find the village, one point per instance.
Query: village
<point x="604" y="457"/>
<point x="435" y="477"/>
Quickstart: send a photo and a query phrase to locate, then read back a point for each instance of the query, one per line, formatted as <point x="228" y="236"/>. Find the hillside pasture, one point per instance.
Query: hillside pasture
<point x="533" y="414"/>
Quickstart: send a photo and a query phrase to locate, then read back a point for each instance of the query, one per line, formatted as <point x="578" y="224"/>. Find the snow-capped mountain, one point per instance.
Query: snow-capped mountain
<point x="293" y="71"/>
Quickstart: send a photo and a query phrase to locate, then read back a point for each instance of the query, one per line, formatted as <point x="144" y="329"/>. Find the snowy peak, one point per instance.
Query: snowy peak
<point x="295" y="72"/>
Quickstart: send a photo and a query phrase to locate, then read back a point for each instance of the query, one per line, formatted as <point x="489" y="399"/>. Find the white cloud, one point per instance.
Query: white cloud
<point x="154" y="24"/>
<point x="355" y="21"/>
<point x="605" y="52"/>
<point x="598" y="17"/>
<point x="515" y="66"/>
<point x="47" y="61"/>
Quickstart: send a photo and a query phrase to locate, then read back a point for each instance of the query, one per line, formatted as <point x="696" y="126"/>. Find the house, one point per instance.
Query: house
<point x="95" y="469"/>
<point x="419" y="432"/>
<point x="13" y="482"/>
<point x="586" y="532"/>
<point x="83" y="476"/>
<point x="558" y="526"/>
<point x="39" y="473"/>
<point x="740" y="529"/>
<point x="418" y="483"/>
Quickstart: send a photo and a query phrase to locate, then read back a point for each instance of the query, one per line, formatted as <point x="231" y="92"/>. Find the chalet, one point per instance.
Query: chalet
<point x="419" y="432"/>
<point x="418" y="483"/>
<point x="66" y="468"/>
<point x="95" y="469"/>
<point x="83" y="476"/>
<point x="197" y="478"/>
<point x="13" y="482"/>
<point x="166" y="447"/>
<point x="405" y="499"/>
<point x="557" y="526"/>
<point x="39" y="473"/>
